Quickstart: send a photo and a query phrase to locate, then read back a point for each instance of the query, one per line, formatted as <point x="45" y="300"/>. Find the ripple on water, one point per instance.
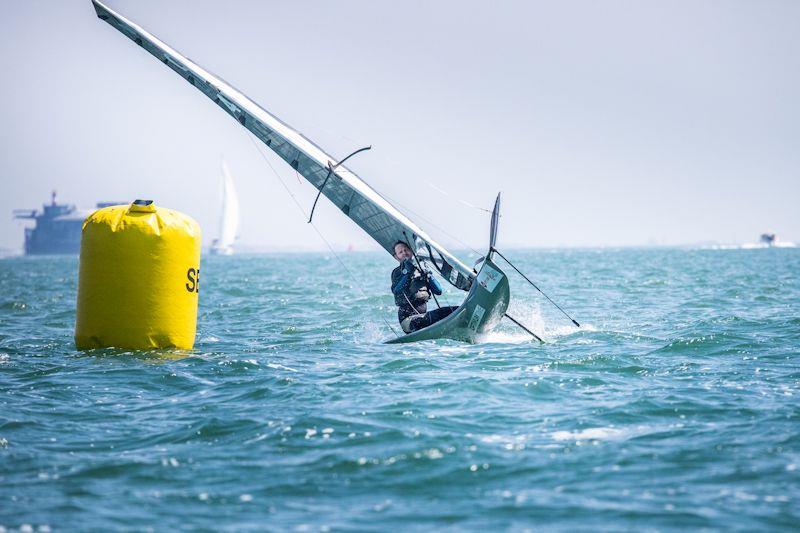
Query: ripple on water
<point x="673" y="404"/>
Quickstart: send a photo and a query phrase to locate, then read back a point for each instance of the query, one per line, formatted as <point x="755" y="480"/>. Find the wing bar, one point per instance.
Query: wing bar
<point x="301" y="153"/>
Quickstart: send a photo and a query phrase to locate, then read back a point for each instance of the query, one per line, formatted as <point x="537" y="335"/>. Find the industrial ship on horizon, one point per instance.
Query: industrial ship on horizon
<point x="57" y="228"/>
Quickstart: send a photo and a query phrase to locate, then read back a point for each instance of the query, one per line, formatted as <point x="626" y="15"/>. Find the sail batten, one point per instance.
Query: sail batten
<point x="386" y="225"/>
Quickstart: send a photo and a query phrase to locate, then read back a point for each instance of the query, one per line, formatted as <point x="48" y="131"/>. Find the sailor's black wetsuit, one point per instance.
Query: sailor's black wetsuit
<point x="412" y="290"/>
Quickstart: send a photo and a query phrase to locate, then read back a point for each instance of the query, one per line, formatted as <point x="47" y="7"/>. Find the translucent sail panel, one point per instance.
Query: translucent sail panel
<point x="354" y="197"/>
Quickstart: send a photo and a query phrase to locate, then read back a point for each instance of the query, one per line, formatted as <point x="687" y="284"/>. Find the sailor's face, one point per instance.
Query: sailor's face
<point x="402" y="252"/>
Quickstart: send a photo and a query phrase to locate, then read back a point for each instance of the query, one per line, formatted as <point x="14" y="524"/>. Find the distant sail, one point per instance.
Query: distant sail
<point x="355" y="198"/>
<point x="229" y="215"/>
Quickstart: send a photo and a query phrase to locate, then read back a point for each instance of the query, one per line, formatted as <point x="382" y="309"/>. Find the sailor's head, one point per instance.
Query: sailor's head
<point x="402" y="251"/>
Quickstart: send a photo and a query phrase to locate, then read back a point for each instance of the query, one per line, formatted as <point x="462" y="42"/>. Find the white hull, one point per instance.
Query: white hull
<point x="221" y="250"/>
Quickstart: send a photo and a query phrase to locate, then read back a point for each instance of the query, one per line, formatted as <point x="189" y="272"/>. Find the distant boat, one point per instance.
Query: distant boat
<point x="229" y="216"/>
<point x="58" y="227"/>
<point x="770" y="239"/>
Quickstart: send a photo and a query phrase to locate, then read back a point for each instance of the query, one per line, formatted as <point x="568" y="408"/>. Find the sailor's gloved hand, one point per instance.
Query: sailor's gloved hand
<point x="433" y="284"/>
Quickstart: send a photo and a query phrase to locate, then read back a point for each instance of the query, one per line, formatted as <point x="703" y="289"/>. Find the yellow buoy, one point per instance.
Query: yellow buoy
<point x="139" y="278"/>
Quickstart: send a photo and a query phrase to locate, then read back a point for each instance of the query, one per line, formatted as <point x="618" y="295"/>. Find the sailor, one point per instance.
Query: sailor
<point x="412" y="289"/>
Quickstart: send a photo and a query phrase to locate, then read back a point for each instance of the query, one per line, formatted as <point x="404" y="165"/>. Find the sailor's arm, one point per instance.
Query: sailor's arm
<point x="400" y="281"/>
<point x="434" y="285"/>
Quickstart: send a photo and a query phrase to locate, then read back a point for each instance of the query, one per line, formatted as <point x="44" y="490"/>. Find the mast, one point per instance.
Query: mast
<point x="353" y="196"/>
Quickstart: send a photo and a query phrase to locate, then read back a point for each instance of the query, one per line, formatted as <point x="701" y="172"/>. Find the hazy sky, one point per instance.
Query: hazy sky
<point x="604" y="123"/>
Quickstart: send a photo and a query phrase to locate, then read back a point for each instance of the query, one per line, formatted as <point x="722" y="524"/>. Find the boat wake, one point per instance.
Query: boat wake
<point x="505" y="337"/>
<point x="531" y="316"/>
<point x="751" y="246"/>
<point x="374" y="331"/>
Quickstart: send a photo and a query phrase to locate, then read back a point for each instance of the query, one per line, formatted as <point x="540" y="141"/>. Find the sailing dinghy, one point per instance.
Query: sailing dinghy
<point x="482" y="309"/>
<point x="487" y="290"/>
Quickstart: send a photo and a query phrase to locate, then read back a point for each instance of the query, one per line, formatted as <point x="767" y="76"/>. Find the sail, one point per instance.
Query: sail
<point x="352" y="195"/>
<point x="229" y="219"/>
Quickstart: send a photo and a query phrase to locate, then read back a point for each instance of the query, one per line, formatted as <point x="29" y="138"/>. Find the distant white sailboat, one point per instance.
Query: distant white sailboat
<point x="229" y="216"/>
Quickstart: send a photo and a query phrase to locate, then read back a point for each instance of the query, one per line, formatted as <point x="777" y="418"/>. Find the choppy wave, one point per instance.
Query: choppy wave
<point x="675" y="402"/>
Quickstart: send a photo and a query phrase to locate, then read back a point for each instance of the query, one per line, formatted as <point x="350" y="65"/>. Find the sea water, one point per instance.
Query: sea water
<point x="674" y="406"/>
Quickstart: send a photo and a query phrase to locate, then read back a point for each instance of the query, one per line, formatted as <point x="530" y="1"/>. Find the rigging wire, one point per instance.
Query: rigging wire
<point x="466" y="203"/>
<point x="535" y="287"/>
<point x="430" y="223"/>
<point x="392" y="200"/>
<point x="419" y="264"/>
<point x="321" y="236"/>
